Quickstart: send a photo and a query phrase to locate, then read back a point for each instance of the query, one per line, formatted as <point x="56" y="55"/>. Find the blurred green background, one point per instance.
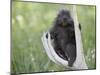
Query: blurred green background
<point x="30" y="20"/>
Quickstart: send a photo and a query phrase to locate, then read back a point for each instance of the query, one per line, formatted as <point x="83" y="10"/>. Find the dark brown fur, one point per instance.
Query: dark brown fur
<point x="63" y="34"/>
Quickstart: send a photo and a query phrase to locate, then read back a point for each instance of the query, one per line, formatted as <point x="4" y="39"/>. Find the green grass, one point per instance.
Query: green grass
<point x="29" y="21"/>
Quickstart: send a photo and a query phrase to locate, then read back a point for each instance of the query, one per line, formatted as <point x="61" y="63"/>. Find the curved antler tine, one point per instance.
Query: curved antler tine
<point x="47" y="49"/>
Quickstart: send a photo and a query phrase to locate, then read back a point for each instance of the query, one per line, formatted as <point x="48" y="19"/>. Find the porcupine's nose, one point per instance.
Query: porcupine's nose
<point x="64" y="18"/>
